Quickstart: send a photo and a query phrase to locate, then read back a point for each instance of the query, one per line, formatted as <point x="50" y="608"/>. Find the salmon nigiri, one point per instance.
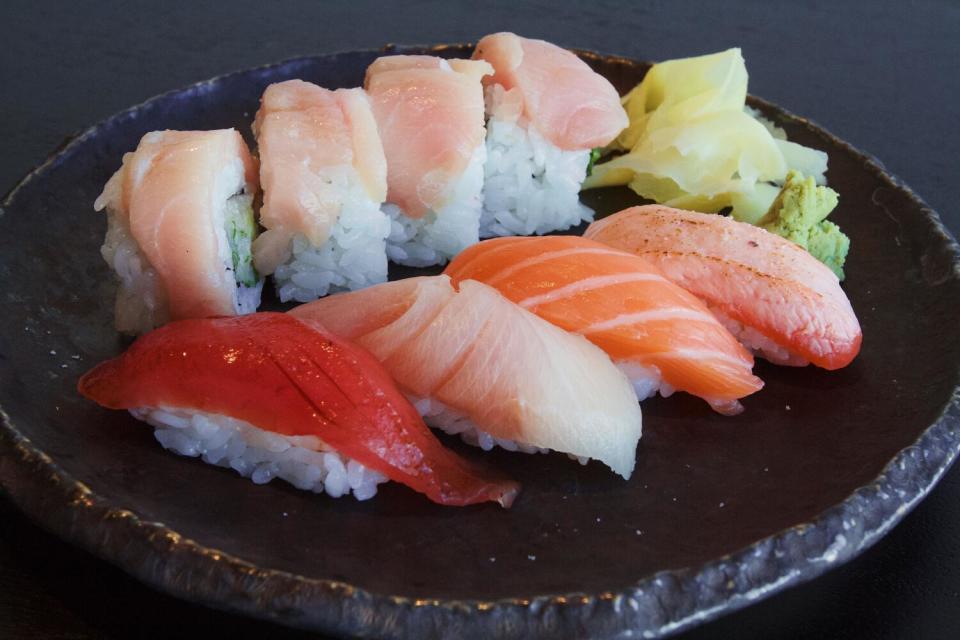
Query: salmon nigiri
<point x="476" y="364"/>
<point x="430" y="115"/>
<point x="271" y="396"/>
<point x="323" y="174"/>
<point x="547" y="110"/>
<point x="661" y="336"/>
<point x="180" y="226"/>
<point x="773" y="295"/>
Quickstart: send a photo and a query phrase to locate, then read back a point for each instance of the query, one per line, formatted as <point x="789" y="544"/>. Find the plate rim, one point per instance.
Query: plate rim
<point x="55" y="500"/>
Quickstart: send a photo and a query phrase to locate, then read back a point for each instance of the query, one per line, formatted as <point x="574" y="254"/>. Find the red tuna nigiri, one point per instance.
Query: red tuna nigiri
<point x="292" y="379"/>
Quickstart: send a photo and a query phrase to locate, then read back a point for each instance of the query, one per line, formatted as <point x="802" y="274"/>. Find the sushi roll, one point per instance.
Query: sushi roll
<point x="662" y="337"/>
<point x="323" y="175"/>
<point x="547" y="111"/>
<point x="271" y="397"/>
<point x="477" y="365"/>
<point x="778" y="300"/>
<point x="179" y="229"/>
<point x="430" y="115"/>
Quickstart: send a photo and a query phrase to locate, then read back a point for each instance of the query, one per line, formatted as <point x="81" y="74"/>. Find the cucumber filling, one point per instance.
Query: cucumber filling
<point x="241" y="230"/>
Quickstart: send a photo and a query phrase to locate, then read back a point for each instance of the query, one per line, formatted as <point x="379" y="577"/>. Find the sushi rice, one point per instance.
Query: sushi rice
<point x="648" y="382"/>
<point x="353" y="257"/>
<point x="303" y="461"/>
<point x="439" y="416"/>
<point x="530" y="185"/>
<point x="439" y="235"/>
<point x="758" y="343"/>
<point x="141" y="303"/>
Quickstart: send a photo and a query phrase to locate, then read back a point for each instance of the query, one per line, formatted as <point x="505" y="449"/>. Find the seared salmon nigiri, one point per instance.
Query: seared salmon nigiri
<point x="773" y="295"/>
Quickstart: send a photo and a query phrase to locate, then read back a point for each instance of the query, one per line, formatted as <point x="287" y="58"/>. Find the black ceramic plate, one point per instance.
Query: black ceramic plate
<point x="720" y="511"/>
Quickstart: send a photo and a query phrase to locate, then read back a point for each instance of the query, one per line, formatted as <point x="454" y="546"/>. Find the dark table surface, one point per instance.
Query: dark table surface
<point x="881" y="75"/>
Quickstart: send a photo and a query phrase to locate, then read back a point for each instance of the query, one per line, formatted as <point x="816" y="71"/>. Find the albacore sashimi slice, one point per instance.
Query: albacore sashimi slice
<point x="509" y="373"/>
<point x="180" y="227"/>
<point x="772" y="294"/>
<point x="282" y="377"/>
<point x="662" y="336"/>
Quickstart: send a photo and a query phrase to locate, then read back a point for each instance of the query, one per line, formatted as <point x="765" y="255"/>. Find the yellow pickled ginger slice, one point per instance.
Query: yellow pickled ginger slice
<point x="693" y="143"/>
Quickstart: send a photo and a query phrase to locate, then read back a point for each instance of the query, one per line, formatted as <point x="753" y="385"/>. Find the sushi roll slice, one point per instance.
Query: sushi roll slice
<point x="179" y="229"/>
<point x="430" y="115"/>
<point x="662" y="337"/>
<point x="778" y="300"/>
<point x="271" y="397"/>
<point x="475" y="364"/>
<point x="547" y="111"/>
<point x="323" y="175"/>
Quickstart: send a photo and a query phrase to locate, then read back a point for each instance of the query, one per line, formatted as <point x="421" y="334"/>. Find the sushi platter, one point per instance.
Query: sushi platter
<point x="572" y="324"/>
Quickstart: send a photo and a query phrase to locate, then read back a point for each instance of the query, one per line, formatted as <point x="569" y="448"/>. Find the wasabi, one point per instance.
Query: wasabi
<point x="799" y="213"/>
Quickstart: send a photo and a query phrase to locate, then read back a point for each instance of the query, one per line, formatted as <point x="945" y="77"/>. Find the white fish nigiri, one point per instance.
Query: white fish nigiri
<point x="477" y="364"/>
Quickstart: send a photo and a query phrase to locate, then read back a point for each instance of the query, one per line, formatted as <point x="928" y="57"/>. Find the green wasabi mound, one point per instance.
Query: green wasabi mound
<point x="799" y="213"/>
<point x="241" y="230"/>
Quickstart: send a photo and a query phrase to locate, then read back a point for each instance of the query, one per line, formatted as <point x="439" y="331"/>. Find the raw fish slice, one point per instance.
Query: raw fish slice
<point x="477" y="69"/>
<point x="430" y="116"/>
<point x="169" y="201"/>
<point x="320" y="155"/>
<point x="621" y="303"/>
<point x="292" y="379"/>
<point x="780" y="299"/>
<point x="305" y="132"/>
<point x="514" y="375"/>
<point x="570" y="104"/>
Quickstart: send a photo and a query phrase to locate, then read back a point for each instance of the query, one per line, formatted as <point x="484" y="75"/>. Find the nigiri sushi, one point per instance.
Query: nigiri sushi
<point x="430" y="115"/>
<point x="662" y="337"/>
<point x="323" y="175"/>
<point x="775" y="297"/>
<point x="475" y="364"/>
<point x="269" y="396"/>
<point x="180" y="225"/>
<point x="547" y="110"/>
